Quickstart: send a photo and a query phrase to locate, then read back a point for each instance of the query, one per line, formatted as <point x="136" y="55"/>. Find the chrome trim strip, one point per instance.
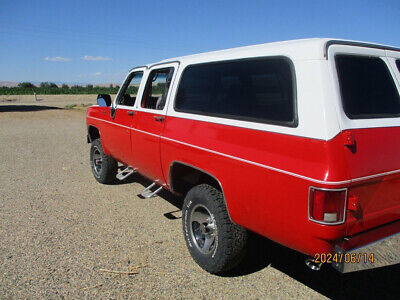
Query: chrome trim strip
<point x="258" y="164"/>
<point x="145" y="132"/>
<point x="164" y="63"/>
<point x="145" y="67"/>
<point x="375" y="175"/>
<point x="357" y="44"/>
<point x="127" y="127"/>
<point x="113" y="123"/>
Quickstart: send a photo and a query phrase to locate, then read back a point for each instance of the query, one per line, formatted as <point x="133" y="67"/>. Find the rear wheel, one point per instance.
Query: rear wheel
<point x="104" y="167"/>
<point x="215" y="243"/>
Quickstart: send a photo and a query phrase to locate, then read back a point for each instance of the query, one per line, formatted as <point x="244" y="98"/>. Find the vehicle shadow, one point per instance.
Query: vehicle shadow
<point x="171" y="198"/>
<point x="25" y="108"/>
<point x="262" y="252"/>
<point x="381" y="282"/>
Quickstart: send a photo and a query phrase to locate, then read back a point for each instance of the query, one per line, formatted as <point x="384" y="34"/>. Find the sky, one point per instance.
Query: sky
<point x="99" y="41"/>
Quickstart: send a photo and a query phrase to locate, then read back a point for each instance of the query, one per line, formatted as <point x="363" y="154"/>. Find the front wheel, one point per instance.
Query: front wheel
<point x="104" y="167"/>
<point x="215" y="243"/>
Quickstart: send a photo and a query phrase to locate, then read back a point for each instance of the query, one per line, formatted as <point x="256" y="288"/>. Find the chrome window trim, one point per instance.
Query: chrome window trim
<point x="291" y="124"/>
<point x="159" y="66"/>
<point x="164" y="63"/>
<point x="115" y="104"/>
<point x="357" y="44"/>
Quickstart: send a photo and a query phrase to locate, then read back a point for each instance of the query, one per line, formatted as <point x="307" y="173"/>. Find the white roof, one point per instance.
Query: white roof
<point x="295" y="49"/>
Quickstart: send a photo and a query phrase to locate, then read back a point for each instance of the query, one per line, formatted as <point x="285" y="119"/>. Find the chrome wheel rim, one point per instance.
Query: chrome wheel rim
<point x="97" y="160"/>
<point x="203" y="229"/>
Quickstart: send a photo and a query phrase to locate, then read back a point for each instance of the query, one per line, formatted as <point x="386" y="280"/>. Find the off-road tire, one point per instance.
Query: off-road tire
<point x="106" y="174"/>
<point x="230" y="238"/>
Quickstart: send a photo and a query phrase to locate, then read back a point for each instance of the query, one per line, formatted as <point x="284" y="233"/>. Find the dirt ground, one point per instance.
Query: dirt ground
<point x="49" y="100"/>
<point x="61" y="230"/>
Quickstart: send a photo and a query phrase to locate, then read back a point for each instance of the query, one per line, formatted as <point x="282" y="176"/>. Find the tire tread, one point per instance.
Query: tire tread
<point x="233" y="236"/>
<point x="109" y="167"/>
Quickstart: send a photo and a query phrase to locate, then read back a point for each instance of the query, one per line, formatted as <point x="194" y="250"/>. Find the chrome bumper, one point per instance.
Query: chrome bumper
<point x="374" y="254"/>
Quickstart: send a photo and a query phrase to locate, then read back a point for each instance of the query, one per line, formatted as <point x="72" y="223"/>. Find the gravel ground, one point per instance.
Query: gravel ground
<point x="48" y="100"/>
<point x="60" y="228"/>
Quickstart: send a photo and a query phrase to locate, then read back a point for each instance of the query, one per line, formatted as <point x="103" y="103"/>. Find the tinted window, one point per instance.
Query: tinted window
<point x="367" y="87"/>
<point x="157" y="88"/>
<point x="398" y="64"/>
<point x="128" y="94"/>
<point x="259" y="90"/>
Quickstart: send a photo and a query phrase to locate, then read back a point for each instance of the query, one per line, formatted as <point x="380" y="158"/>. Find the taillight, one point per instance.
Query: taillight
<point x="327" y="206"/>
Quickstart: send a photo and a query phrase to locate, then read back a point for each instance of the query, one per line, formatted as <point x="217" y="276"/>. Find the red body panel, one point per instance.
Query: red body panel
<point x="99" y="117"/>
<point x="146" y="145"/>
<point x="115" y="133"/>
<point x="269" y="202"/>
<point x="377" y="151"/>
<point x="118" y="138"/>
<point x="266" y="176"/>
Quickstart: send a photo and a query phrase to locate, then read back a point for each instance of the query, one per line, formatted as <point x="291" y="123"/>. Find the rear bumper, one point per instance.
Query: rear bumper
<point x="373" y="249"/>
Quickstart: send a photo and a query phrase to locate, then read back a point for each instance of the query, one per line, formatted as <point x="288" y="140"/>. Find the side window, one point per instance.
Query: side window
<point x="398" y="64"/>
<point x="258" y="90"/>
<point x="367" y="87"/>
<point x="129" y="90"/>
<point x="157" y="86"/>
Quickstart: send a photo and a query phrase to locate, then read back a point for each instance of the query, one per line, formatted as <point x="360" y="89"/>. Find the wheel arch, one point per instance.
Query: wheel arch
<point x="93" y="133"/>
<point x="184" y="176"/>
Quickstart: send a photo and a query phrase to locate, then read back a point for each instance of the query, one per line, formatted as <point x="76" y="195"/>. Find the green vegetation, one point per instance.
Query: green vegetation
<point x="49" y="88"/>
<point x="70" y="106"/>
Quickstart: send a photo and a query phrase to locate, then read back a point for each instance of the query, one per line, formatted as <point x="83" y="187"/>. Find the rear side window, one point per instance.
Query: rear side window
<point x="259" y="90"/>
<point x="157" y="87"/>
<point x="367" y="87"/>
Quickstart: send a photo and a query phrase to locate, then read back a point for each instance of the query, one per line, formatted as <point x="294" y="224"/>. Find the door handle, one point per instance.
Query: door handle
<point x="158" y="118"/>
<point x="131" y="113"/>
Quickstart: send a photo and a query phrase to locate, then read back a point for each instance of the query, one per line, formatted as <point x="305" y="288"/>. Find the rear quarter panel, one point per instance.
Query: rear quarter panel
<point x="263" y="177"/>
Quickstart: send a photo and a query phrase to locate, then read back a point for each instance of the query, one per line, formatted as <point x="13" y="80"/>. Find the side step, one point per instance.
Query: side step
<point x="125" y="173"/>
<point x="147" y="193"/>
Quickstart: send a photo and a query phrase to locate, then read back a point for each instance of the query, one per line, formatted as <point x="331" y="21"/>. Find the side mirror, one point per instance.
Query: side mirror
<point x="104" y="100"/>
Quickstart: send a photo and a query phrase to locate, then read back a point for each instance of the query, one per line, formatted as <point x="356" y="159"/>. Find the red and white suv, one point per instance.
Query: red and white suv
<point x="297" y="141"/>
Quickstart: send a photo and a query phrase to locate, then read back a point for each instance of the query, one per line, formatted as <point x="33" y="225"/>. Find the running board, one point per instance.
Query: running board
<point x="125" y="173"/>
<point x="147" y="193"/>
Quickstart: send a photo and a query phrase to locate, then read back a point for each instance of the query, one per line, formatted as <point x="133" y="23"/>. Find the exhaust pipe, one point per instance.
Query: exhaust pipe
<point x="310" y="262"/>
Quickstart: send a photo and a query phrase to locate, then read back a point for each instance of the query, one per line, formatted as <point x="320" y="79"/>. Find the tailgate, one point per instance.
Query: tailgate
<point x="374" y="164"/>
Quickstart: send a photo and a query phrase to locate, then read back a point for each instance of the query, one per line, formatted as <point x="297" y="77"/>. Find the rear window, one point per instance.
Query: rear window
<point x="367" y="87"/>
<point x="259" y="90"/>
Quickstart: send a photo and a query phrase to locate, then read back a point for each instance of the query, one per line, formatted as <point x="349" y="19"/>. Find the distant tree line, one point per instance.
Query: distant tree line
<point x="49" y="88"/>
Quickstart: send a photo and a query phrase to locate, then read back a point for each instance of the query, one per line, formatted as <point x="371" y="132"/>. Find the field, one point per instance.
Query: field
<point x="63" y="235"/>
